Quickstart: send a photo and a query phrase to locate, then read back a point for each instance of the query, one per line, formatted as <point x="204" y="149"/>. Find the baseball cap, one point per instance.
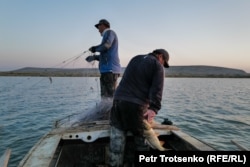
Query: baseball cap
<point x="165" y="56"/>
<point x="103" y="21"/>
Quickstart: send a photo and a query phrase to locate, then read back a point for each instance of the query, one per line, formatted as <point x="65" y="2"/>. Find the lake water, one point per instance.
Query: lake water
<point x="214" y="110"/>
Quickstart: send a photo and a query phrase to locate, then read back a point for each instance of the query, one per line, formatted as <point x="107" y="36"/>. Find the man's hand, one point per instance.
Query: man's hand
<point x="92" y="49"/>
<point x="90" y="58"/>
<point x="149" y="115"/>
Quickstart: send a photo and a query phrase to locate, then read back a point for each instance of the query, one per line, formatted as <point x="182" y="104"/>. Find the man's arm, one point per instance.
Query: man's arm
<point x="155" y="93"/>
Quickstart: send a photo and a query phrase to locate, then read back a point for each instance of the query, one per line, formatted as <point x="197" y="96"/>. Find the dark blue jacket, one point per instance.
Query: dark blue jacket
<point x="142" y="82"/>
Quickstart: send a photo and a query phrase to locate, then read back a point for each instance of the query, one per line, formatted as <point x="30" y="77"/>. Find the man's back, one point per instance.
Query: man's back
<point x="142" y="81"/>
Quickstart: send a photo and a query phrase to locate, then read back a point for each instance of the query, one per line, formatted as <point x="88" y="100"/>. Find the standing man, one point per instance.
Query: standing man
<point x="109" y="63"/>
<point x="137" y="97"/>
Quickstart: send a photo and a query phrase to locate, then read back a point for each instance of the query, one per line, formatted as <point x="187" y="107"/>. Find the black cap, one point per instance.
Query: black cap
<point x="103" y="21"/>
<point x="165" y="56"/>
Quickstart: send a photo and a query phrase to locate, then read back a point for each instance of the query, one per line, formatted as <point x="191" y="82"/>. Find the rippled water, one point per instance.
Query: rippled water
<point x="214" y="110"/>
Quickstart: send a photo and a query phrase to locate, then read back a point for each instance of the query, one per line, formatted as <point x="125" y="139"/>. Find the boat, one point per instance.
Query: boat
<point x="83" y="140"/>
<point x="88" y="145"/>
<point x="4" y="159"/>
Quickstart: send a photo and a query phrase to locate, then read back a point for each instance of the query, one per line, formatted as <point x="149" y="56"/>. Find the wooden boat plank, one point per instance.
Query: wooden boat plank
<point x="83" y="128"/>
<point x="241" y="147"/>
<point x="4" y="159"/>
<point x="194" y="142"/>
<point x="42" y="153"/>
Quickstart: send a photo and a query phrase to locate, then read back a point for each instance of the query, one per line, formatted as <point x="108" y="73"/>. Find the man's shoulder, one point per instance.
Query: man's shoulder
<point x="137" y="57"/>
<point x="141" y="56"/>
<point x="111" y="31"/>
<point x="144" y="56"/>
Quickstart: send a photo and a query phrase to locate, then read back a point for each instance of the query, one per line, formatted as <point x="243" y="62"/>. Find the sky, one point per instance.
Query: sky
<point x="46" y="33"/>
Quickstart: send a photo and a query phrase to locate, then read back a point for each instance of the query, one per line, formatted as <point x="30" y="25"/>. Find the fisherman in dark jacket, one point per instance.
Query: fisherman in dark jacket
<point x="137" y="97"/>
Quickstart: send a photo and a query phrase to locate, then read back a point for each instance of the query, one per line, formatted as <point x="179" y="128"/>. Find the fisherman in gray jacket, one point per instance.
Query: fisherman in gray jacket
<point x="109" y="63"/>
<point x="137" y="97"/>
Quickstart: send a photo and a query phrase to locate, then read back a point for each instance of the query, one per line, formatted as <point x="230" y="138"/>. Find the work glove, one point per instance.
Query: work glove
<point x="92" y="49"/>
<point x="90" y="58"/>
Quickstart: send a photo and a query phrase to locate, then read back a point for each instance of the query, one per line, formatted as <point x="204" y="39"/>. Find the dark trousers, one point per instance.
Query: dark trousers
<point x="117" y="157"/>
<point x="108" y="83"/>
<point x="125" y="116"/>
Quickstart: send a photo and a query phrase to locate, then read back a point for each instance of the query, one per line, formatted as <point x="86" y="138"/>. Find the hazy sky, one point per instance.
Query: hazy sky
<point x="44" y="33"/>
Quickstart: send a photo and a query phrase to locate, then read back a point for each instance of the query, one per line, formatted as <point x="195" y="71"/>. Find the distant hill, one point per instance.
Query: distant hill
<point x="205" y="71"/>
<point x="60" y="72"/>
<point x="173" y="71"/>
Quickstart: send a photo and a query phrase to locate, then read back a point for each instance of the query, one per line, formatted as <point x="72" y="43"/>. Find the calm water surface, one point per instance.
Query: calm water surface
<point x="214" y="110"/>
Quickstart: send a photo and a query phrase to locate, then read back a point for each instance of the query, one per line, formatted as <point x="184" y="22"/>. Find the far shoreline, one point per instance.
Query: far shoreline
<point x="172" y="72"/>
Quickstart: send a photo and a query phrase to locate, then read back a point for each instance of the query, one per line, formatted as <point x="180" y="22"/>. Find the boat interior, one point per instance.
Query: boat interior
<point x="88" y="145"/>
<point x="77" y="152"/>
